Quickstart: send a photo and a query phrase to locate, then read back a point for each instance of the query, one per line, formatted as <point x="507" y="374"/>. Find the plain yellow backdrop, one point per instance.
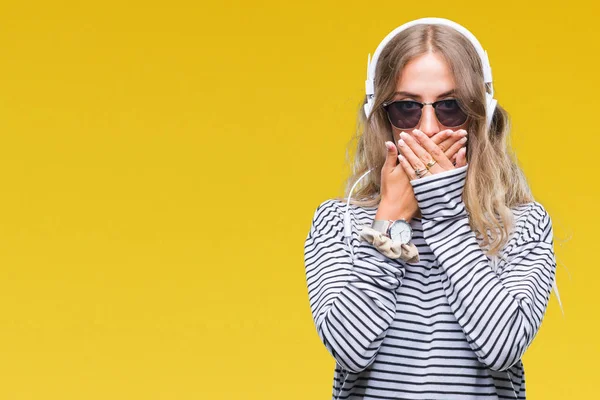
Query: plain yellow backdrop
<point x="161" y="162"/>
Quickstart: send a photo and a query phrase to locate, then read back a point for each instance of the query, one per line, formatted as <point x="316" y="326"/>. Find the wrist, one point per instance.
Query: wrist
<point x="439" y="196"/>
<point x="387" y="212"/>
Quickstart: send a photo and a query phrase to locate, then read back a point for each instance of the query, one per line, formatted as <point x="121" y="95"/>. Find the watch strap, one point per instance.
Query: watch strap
<point x="381" y="225"/>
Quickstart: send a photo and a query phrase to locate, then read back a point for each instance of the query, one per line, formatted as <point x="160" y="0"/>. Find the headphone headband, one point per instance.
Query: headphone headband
<point x="487" y="69"/>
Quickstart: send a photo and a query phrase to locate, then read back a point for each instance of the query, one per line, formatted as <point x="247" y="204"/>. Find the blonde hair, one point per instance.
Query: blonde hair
<point x="494" y="182"/>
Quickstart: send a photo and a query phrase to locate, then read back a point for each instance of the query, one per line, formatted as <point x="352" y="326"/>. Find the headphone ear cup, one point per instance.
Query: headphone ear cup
<point x="368" y="106"/>
<point x="490" y="108"/>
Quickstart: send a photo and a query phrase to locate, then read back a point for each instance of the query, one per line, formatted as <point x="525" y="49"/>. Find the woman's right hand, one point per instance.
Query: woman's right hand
<point x="397" y="197"/>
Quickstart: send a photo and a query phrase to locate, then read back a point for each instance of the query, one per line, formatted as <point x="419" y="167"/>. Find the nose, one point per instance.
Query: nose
<point x="429" y="124"/>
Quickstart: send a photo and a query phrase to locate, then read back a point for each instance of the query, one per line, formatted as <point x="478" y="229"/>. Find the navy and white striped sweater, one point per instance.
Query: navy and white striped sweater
<point x="451" y="326"/>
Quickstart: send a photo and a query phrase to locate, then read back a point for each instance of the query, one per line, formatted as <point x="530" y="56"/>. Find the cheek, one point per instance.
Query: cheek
<point x="464" y="126"/>
<point x="396" y="134"/>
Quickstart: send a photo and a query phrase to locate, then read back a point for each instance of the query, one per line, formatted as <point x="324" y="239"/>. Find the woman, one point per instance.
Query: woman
<point x="454" y="321"/>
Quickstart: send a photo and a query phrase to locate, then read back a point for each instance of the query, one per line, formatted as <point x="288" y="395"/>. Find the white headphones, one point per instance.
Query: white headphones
<point x="487" y="70"/>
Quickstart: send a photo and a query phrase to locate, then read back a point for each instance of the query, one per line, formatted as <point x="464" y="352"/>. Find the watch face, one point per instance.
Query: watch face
<point x="401" y="231"/>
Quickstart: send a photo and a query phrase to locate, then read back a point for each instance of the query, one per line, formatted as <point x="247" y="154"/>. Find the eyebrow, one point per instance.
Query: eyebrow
<point x="453" y="91"/>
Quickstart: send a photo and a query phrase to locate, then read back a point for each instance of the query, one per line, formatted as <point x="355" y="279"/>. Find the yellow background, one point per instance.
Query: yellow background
<point x="161" y="163"/>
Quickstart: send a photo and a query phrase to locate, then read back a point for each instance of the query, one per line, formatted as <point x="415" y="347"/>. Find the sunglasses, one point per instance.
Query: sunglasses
<point x="406" y="114"/>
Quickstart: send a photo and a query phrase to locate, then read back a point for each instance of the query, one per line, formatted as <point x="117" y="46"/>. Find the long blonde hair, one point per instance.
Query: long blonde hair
<point x="494" y="182"/>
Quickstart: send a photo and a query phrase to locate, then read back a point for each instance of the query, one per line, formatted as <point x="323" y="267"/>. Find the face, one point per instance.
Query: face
<point x="425" y="79"/>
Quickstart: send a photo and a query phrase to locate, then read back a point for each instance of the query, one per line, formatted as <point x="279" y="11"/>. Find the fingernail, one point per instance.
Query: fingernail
<point x="400" y="157"/>
<point x="388" y="144"/>
<point x="463" y="140"/>
<point x="403" y="134"/>
<point x="463" y="133"/>
<point x="401" y="142"/>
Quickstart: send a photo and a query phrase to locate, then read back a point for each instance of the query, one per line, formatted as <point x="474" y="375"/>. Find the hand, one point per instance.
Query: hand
<point x="418" y="149"/>
<point x="397" y="195"/>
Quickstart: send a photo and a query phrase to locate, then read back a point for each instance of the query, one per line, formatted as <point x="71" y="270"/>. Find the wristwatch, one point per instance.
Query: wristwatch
<point x="398" y="230"/>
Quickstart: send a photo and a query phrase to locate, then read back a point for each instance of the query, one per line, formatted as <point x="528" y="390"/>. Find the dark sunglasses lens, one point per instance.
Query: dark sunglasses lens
<point x="404" y="114"/>
<point x="449" y="113"/>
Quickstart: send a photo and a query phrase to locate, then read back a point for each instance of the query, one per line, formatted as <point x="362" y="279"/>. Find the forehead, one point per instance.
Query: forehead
<point x="426" y="76"/>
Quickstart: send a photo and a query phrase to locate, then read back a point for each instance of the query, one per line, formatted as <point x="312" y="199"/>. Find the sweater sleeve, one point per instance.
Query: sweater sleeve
<point x="352" y="304"/>
<point x="499" y="312"/>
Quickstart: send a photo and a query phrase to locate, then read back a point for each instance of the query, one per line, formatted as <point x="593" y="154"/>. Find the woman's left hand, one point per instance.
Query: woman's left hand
<point x="418" y="149"/>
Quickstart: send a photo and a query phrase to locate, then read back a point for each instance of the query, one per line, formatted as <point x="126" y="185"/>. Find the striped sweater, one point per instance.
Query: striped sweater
<point x="453" y="325"/>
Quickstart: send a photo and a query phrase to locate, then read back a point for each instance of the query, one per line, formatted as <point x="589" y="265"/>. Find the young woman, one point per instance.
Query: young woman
<point x="453" y="319"/>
